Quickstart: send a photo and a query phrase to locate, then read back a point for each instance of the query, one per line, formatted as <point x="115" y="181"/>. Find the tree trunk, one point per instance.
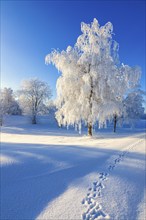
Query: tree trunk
<point x="1" y="120"/>
<point x="90" y="102"/>
<point x="34" y="119"/>
<point x="89" y="129"/>
<point x="115" y="122"/>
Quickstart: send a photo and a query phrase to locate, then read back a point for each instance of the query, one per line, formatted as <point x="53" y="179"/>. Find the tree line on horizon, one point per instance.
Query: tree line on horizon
<point x="34" y="98"/>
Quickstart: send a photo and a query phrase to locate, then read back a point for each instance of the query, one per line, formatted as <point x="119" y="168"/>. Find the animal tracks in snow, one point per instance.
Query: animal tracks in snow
<point x="94" y="210"/>
<point x="121" y="156"/>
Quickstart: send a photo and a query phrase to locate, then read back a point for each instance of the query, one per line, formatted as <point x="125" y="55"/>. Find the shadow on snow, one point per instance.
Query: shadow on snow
<point x="44" y="172"/>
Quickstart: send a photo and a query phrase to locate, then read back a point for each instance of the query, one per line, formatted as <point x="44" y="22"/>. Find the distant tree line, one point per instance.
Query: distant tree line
<point x="8" y="104"/>
<point x="32" y="99"/>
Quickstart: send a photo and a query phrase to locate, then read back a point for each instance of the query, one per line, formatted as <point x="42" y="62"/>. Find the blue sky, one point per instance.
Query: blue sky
<point x="31" y="29"/>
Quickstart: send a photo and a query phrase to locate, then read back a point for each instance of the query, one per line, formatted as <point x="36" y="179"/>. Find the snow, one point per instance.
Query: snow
<point x="53" y="173"/>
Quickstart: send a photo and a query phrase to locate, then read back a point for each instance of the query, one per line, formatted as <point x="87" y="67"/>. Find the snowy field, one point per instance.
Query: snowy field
<point x="54" y="173"/>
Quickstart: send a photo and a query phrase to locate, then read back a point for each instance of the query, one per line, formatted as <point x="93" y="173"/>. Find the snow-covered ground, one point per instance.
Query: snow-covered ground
<point x="53" y="173"/>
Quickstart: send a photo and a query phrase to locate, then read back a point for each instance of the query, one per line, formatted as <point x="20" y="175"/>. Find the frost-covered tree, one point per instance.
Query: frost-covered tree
<point x="92" y="82"/>
<point x="8" y="104"/>
<point x="34" y="97"/>
<point x="133" y="106"/>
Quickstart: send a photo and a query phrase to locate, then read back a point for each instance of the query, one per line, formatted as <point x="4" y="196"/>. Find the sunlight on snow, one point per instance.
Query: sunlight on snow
<point x="6" y="160"/>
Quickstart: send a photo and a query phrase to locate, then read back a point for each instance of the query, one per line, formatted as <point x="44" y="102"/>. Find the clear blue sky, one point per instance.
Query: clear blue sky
<point x="30" y="29"/>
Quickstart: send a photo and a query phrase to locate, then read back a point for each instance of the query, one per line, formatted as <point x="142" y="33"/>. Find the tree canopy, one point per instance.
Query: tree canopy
<point x="93" y="82"/>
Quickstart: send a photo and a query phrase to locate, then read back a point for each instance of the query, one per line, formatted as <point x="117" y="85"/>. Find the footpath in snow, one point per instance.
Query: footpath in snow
<point x="58" y="174"/>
